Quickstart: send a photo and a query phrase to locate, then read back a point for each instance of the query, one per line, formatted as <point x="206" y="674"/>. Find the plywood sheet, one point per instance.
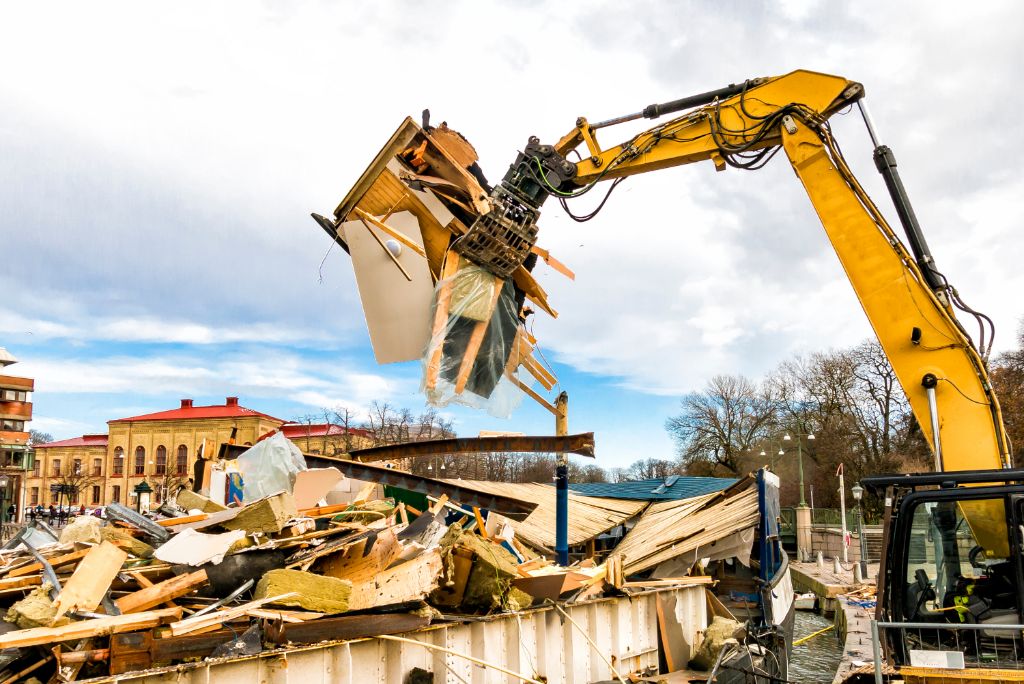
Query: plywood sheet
<point x="314" y="484"/>
<point x="397" y="310"/>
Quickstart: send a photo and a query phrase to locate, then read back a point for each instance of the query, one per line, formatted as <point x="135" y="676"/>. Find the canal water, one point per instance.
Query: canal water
<point x="814" y="661"/>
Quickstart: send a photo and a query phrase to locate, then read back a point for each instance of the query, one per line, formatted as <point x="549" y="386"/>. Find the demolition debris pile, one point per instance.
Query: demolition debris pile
<point x="201" y="579"/>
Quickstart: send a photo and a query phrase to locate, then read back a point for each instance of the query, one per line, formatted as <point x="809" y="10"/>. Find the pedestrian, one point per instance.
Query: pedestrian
<point x="53" y="513"/>
<point x="12" y="511"/>
<point x="81" y="511"/>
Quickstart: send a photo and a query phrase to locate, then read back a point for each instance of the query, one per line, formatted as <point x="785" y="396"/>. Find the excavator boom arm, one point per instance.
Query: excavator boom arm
<point x="942" y="373"/>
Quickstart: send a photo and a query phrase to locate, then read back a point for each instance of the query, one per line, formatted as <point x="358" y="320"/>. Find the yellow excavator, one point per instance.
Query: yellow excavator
<point x="951" y="583"/>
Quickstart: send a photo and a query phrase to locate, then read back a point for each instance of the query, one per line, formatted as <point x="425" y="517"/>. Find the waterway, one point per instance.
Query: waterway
<point x="814" y="661"/>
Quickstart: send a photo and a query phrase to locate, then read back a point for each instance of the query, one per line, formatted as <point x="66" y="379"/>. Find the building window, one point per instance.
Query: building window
<point x="35" y="496"/>
<point x="37" y="467"/>
<point x="115" y="494"/>
<point x="156" y="494"/>
<point x="56" y="467"/>
<point x="73" y="496"/>
<point x="181" y="464"/>
<point x="97" y="467"/>
<point x="140" y="460"/>
<point x="161" y="460"/>
<point x="95" y="494"/>
<point x="13" y="425"/>
<point x="76" y="467"/>
<point x="13" y="395"/>
<point x="119" y="461"/>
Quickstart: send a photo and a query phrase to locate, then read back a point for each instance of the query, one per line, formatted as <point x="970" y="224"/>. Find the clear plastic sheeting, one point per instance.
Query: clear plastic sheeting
<point x="472" y="356"/>
<point x="269" y="467"/>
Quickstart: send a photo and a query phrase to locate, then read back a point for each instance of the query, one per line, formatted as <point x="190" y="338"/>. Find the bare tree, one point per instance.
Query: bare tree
<point x="586" y="472"/>
<point x="719" y="425"/>
<point x="38" y="437"/>
<point x="650" y="469"/>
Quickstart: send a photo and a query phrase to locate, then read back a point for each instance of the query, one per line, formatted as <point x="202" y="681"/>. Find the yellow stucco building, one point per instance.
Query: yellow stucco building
<point x="161" y="448"/>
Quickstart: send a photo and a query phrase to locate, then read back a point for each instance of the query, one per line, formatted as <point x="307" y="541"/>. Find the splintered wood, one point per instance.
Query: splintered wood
<point x="426" y="173"/>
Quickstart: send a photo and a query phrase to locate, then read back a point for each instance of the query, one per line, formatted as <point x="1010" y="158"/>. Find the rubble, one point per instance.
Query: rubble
<point x="202" y="576"/>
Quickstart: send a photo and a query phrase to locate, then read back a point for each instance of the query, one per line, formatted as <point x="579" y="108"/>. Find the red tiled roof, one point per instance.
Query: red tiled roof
<point x="187" y="411"/>
<point x="83" y="441"/>
<point x="294" y="430"/>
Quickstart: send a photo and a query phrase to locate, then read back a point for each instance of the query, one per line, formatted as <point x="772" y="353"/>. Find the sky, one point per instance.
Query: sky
<point x="159" y="162"/>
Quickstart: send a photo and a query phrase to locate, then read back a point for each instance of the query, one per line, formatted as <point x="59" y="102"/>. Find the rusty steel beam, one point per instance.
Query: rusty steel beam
<point x="507" y="506"/>
<point x="582" y="444"/>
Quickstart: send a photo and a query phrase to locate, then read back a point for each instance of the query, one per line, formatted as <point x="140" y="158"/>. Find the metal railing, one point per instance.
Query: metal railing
<point x="979" y="643"/>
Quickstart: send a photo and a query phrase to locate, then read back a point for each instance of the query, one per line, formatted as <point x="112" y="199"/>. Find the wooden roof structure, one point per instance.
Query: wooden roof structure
<point x="671" y="528"/>
<point x="588" y="516"/>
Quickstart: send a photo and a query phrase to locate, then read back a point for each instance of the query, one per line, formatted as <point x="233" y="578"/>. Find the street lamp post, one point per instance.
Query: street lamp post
<point x="858" y="492"/>
<point x="800" y="458"/>
<point x="781" y="453"/>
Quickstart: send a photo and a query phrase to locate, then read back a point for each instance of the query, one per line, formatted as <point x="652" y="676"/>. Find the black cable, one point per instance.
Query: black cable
<point x="973" y="401"/>
<point x="586" y="217"/>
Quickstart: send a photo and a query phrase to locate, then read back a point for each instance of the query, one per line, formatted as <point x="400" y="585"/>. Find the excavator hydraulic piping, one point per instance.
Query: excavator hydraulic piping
<point x="653" y="111"/>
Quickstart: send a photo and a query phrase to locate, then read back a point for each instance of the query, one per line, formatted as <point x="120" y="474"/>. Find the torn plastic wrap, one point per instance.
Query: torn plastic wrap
<point x="269" y="467"/>
<point x="472" y="350"/>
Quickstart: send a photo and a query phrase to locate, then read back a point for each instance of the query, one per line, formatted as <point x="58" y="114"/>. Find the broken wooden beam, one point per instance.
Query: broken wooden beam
<point x="158" y="593"/>
<point x="407" y="582"/>
<point x="581" y="444"/>
<point x="37" y="636"/>
<point x="199" y="622"/>
<point x="57" y="562"/>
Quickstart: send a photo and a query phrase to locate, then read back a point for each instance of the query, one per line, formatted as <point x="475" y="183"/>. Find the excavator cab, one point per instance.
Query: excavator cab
<point x="954" y="577"/>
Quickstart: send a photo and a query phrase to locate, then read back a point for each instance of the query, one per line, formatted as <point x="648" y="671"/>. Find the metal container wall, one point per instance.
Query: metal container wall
<point x="533" y="642"/>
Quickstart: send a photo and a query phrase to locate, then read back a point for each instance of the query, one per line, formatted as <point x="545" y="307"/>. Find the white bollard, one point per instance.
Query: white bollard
<point x="836" y="568"/>
<point x="821" y="561"/>
<point x="857" y="579"/>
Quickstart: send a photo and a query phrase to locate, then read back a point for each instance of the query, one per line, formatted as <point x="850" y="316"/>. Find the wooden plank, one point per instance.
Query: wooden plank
<point x="476" y="339"/>
<point x="359" y="564"/>
<point x="675" y="581"/>
<point x="193" y="624"/>
<point x="286" y="615"/>
<point x="144" y="582"/>
<point x="410" y="581"/>
<point x="444" y="300"/>
<point x="57" y="562"/>
<point x="185" y="519"/>
<point x="91" y="579"/>
<point x="20" y="582"/>
<point x="158" y="593"/>
<point x="324" y="510"/>
<point x="396" y="234"/>
<point x="37" y="636"/>
<point x="481" y="526"/>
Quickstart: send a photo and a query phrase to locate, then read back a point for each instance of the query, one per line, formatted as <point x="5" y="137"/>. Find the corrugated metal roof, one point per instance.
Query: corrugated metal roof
<point x="672" y="488"/>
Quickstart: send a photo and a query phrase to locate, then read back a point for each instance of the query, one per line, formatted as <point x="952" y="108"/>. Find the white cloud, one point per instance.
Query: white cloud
<point x="268" y="375"/>
<point x="170" y="203"/>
